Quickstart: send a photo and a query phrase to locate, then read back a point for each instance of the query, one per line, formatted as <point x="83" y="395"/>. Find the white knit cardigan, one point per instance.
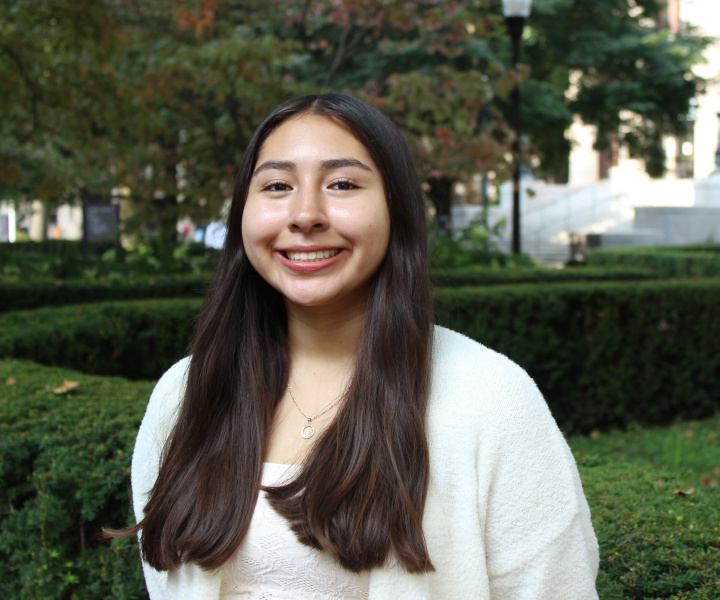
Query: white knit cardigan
<point x="505" y="516"/>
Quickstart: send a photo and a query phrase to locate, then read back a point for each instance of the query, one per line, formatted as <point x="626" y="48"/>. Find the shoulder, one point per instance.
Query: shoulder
<point x="167" y="395"/>
<point x="467" y="373"/>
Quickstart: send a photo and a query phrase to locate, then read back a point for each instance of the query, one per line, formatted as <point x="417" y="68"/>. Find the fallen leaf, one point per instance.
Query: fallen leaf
<point x="11" y="381"/>
<point x="594" y="434"/>
<point x="710" y="439"/>
<point x="716" y="470"/>
<point x="66" y="387"/>
<point x="684" y="492"/>
<point x="705" y="480"/>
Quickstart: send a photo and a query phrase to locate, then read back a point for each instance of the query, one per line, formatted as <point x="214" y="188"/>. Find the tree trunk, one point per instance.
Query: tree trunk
<point x="440" y="195"/>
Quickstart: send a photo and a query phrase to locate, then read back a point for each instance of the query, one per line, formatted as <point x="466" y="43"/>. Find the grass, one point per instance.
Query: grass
<point x="655" y="499"/>
<point x="654" y="494"/>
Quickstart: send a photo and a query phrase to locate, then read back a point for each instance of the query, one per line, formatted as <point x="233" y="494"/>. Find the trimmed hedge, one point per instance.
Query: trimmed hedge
<point x="666" y="262"/>
<point x="479" y="275"/>
<point x="46" y="247"/>
<point x="17" y="296"/>
<point x="604" y="354"/>
<point x="136" y="339"/>
<point x="64" y="473"/>
<point x="28" y="295"/>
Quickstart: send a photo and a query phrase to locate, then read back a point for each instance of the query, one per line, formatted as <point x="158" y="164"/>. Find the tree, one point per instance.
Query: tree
<point x="160" y="97"/>
<point x="608" y="62"/>
<point x="50" y="130"/>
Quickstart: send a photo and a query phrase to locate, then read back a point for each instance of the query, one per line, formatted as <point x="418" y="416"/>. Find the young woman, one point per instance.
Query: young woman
<point x="325" y="440"/>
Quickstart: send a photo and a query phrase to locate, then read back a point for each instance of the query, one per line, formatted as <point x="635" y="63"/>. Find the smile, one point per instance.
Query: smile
<point x="312" y="256"/>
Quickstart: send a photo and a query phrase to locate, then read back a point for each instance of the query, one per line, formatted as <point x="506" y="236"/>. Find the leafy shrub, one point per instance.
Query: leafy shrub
<point x="475" y="244"/>
<point x="16" y="296"/>
<point x="24" y="262"/>
<point x="475" y="275"/>
<point x="64" y="474"/>
<point x="668" y="262"/>
<point x="136" y="339"/>
<point x="604" y="354"/>
<point x="46" y="247"/>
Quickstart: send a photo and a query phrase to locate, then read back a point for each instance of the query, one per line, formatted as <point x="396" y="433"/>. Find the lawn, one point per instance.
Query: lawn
<point x="655" y="500"/>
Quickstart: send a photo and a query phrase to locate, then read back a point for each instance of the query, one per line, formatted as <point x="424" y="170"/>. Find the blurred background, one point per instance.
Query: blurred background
<point x="147" y="107"/>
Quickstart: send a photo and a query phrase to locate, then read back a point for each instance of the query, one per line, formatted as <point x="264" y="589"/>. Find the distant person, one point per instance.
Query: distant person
<point x="215" y="235"/>
<point x="325" y="439"/>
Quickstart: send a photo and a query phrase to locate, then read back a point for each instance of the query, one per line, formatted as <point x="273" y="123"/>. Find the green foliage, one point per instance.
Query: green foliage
<point x="631" y="79"/>
<point x="475" y="244"/>
<point x="604" y="354"/>
<point x="17" y="296"/>
<point x="480" y="275"/>
<point x="135" y="339"/>
<point x="157" y="99"/>
<point x="654" y="543"/>
<point x="655" y="500"/>
<point x="668" y="262"/>
<point x="64" y="474"/>
<point x="31" y="261"/>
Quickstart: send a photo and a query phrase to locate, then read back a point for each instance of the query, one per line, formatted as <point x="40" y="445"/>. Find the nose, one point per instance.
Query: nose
<point x="307" y="211"/>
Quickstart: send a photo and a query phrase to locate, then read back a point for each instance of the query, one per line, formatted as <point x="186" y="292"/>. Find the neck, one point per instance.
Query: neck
<point x="321" y="337"/>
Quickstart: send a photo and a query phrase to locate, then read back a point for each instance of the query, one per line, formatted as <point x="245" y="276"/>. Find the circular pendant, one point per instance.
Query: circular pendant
<point x="307" y="431"/>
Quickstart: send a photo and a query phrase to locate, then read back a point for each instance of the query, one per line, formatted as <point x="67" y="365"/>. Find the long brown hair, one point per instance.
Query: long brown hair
<point x="361" y="492"/>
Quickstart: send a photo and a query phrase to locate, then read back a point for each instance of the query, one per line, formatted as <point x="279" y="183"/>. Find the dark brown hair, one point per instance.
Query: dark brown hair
<point x="361" y="493"/>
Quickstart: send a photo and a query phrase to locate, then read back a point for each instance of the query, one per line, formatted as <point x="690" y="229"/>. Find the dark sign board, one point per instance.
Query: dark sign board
<point x="100" y="222"/>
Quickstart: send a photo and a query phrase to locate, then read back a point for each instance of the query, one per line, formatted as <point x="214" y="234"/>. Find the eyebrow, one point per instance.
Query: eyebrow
<point x="325" y="165"/>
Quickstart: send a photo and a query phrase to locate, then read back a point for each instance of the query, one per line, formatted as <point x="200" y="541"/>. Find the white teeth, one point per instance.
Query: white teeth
<point x="312" y="256"/>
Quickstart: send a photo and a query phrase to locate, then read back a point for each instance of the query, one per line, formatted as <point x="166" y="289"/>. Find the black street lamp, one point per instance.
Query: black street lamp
<point x="515" y="12"/>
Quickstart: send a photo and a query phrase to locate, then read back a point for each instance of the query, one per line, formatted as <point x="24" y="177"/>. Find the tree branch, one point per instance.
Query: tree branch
<point x="35" y="94"/>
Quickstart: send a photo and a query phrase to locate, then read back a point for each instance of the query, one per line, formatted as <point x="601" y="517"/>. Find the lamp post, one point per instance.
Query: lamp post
<point x="515" y="12"/>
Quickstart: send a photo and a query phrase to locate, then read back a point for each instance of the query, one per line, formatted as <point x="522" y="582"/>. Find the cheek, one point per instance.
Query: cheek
<point x="259" y="226"/>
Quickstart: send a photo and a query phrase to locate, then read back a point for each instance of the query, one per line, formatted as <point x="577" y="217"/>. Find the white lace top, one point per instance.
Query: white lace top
<point x="271" y="564"/>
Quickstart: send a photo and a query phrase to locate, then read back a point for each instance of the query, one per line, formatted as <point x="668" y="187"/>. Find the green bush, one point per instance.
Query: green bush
<point x="604" y="354"/>
<point x="35" y="294"/>
<point x="667" y="262"/>
<point x="475" y="244"/>
<point x="137" y="339"/>
<point x="46" y="247"/>
<point x="64" y="474"/>
<point x="31" y="261"/>
<point x="478" y="275"/>
<point x="17" y="296"/>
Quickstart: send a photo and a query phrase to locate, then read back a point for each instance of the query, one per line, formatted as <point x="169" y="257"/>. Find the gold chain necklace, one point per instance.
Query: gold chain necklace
<point x="308" y="430"/>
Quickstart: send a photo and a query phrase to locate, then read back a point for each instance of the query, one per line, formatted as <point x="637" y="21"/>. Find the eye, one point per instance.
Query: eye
<point x="343" y="185"/>
<point x="275" y="186"/>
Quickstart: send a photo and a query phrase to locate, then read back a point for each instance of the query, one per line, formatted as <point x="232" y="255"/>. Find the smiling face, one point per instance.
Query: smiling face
<point x="316" y="225"/>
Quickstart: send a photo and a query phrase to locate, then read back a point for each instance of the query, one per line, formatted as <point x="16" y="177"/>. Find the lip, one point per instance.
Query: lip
<point x="308" y="267"/>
